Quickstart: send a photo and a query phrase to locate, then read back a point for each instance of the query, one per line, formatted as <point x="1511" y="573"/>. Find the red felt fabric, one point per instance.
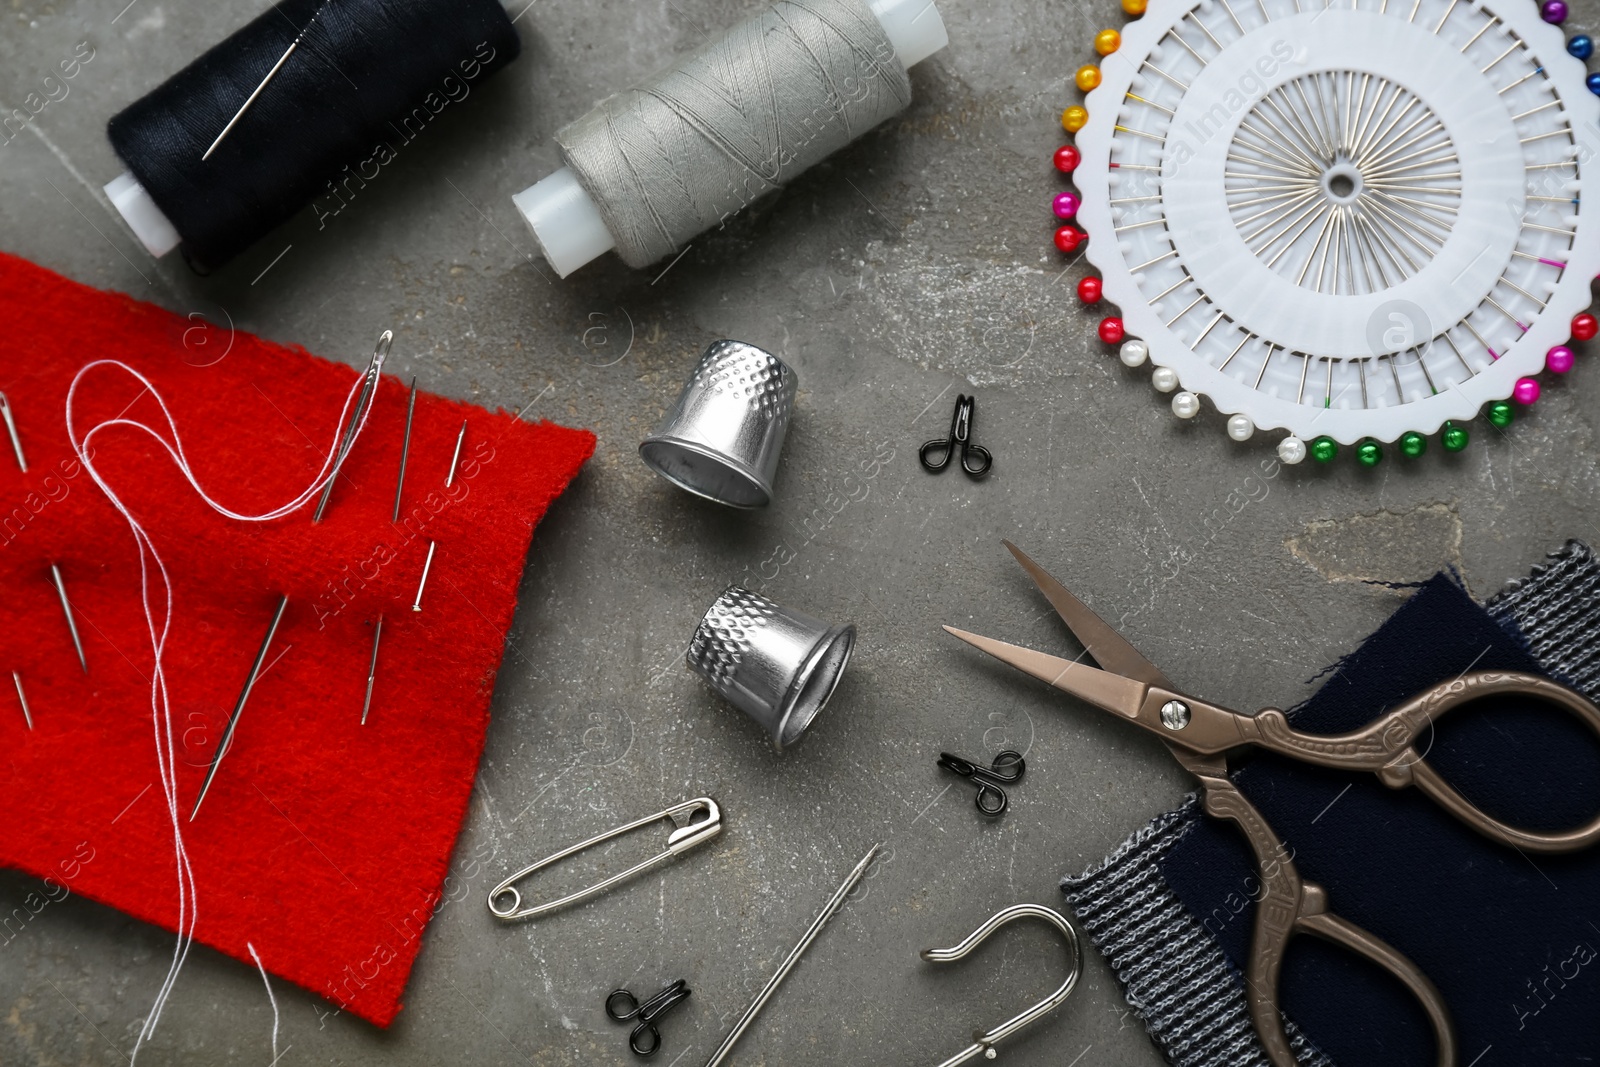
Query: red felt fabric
<point x="322" y="842"/>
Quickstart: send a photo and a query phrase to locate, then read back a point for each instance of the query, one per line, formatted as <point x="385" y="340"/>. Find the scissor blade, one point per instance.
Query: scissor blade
<point x="1111" y="692"/>
<point x="1110" y="649"/>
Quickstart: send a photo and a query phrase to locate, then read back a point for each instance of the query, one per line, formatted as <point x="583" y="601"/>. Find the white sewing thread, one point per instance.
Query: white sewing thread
<point x="274" y="1000"/>
<point x="160" y="706"/>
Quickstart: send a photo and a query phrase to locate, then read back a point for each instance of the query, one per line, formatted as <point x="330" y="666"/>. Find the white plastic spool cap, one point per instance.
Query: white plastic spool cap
<point x="154" y="230"/>
<point x="913" y="27"/>
<point x="565" y="221"/>
<point x="567" y="224"/>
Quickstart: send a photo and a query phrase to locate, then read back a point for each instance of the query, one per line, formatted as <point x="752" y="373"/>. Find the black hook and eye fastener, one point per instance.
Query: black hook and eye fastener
<point x="975" y="459"/>
<point x="1007" y="768"/>
<point x="647" y="1014"/>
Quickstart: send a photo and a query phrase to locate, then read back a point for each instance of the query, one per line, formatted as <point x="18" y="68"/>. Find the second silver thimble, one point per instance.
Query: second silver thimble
<point x="722" y="438"/>
<point x="777" y="665"/>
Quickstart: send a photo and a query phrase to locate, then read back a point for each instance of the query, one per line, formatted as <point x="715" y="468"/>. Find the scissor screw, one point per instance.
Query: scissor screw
<point x="1174" y="715"/>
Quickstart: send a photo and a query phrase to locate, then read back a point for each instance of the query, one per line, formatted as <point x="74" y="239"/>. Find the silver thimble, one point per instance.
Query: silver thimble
<point x="778" y="665"/>
<point x="722" y="438"/>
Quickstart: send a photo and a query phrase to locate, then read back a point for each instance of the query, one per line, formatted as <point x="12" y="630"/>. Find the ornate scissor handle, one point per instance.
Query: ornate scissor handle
<point x="1387" y="747"/>
<point x="1289" y="905"/>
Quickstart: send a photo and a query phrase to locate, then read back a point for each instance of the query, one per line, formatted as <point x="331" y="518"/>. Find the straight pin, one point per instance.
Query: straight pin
<point x="11" y="428"/>
<point x="449" y="480"/>
<point x="372" y="670"/>
<point x="23" y="698"/>
<point x="1235" y="352"/>
<point x="416" y="605"/>
<point x="238" y="709"/>
<point x="1263" y="372"/>
<point x="66" y="607"/>
<point x="461" y="435"/>
<point x="1394" y="372"/>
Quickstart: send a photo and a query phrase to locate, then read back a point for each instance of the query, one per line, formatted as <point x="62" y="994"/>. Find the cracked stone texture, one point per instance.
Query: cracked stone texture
<point x="913" y="265"/>
<point x="1393" y="547"/>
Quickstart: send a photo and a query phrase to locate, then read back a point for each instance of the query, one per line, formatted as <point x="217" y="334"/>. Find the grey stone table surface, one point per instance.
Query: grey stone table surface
<point x="913" y="265"/>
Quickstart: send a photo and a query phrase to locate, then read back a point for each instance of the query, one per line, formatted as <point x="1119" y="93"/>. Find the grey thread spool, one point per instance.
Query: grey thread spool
<point x="654" y="166"/>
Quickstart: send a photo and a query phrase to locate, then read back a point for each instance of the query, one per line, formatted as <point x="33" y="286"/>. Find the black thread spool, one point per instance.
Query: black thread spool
<point x="367" y="74"/>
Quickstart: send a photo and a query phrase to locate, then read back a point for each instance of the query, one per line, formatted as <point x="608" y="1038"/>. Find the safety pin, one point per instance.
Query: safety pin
<point x="506" y="903"/>
<point x="983" y="1043"/>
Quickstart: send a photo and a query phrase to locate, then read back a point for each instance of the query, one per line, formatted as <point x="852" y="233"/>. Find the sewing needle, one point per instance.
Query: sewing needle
<point x="244" y="695"/>
<point x="405" y="449"/>
<point x="399" y="486"/>
<point x="372" y="670"/>
<point x="23" y="697"/>
<point x="374" y="370"/>
<point x="432" y="545"/>
<point x="273" y="73"/>
<point x="72" y="624"/>
<point x="828" y="910"/>
<point x="11" y="428"/>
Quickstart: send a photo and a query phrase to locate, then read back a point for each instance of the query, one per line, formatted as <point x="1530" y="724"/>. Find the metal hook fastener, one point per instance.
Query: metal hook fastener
<point x="697" y="821"/>
<point x="983" y="1044"/>
<point x="960" y="434"/>
<point x="647" y="1014"/>
<point x="1008" y="767"/>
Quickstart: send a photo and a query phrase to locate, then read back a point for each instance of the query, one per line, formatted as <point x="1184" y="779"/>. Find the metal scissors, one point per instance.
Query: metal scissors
<point x="1201" y="734"/>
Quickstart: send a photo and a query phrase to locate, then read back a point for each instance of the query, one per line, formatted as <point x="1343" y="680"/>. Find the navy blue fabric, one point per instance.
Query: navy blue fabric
<point x="1511" y="940"/>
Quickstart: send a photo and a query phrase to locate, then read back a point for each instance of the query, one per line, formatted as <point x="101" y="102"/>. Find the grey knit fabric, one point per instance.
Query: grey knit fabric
<point x="1174" y="975"/>
<point x="1176" y="978"/>
<point x="1556" y="608"/>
